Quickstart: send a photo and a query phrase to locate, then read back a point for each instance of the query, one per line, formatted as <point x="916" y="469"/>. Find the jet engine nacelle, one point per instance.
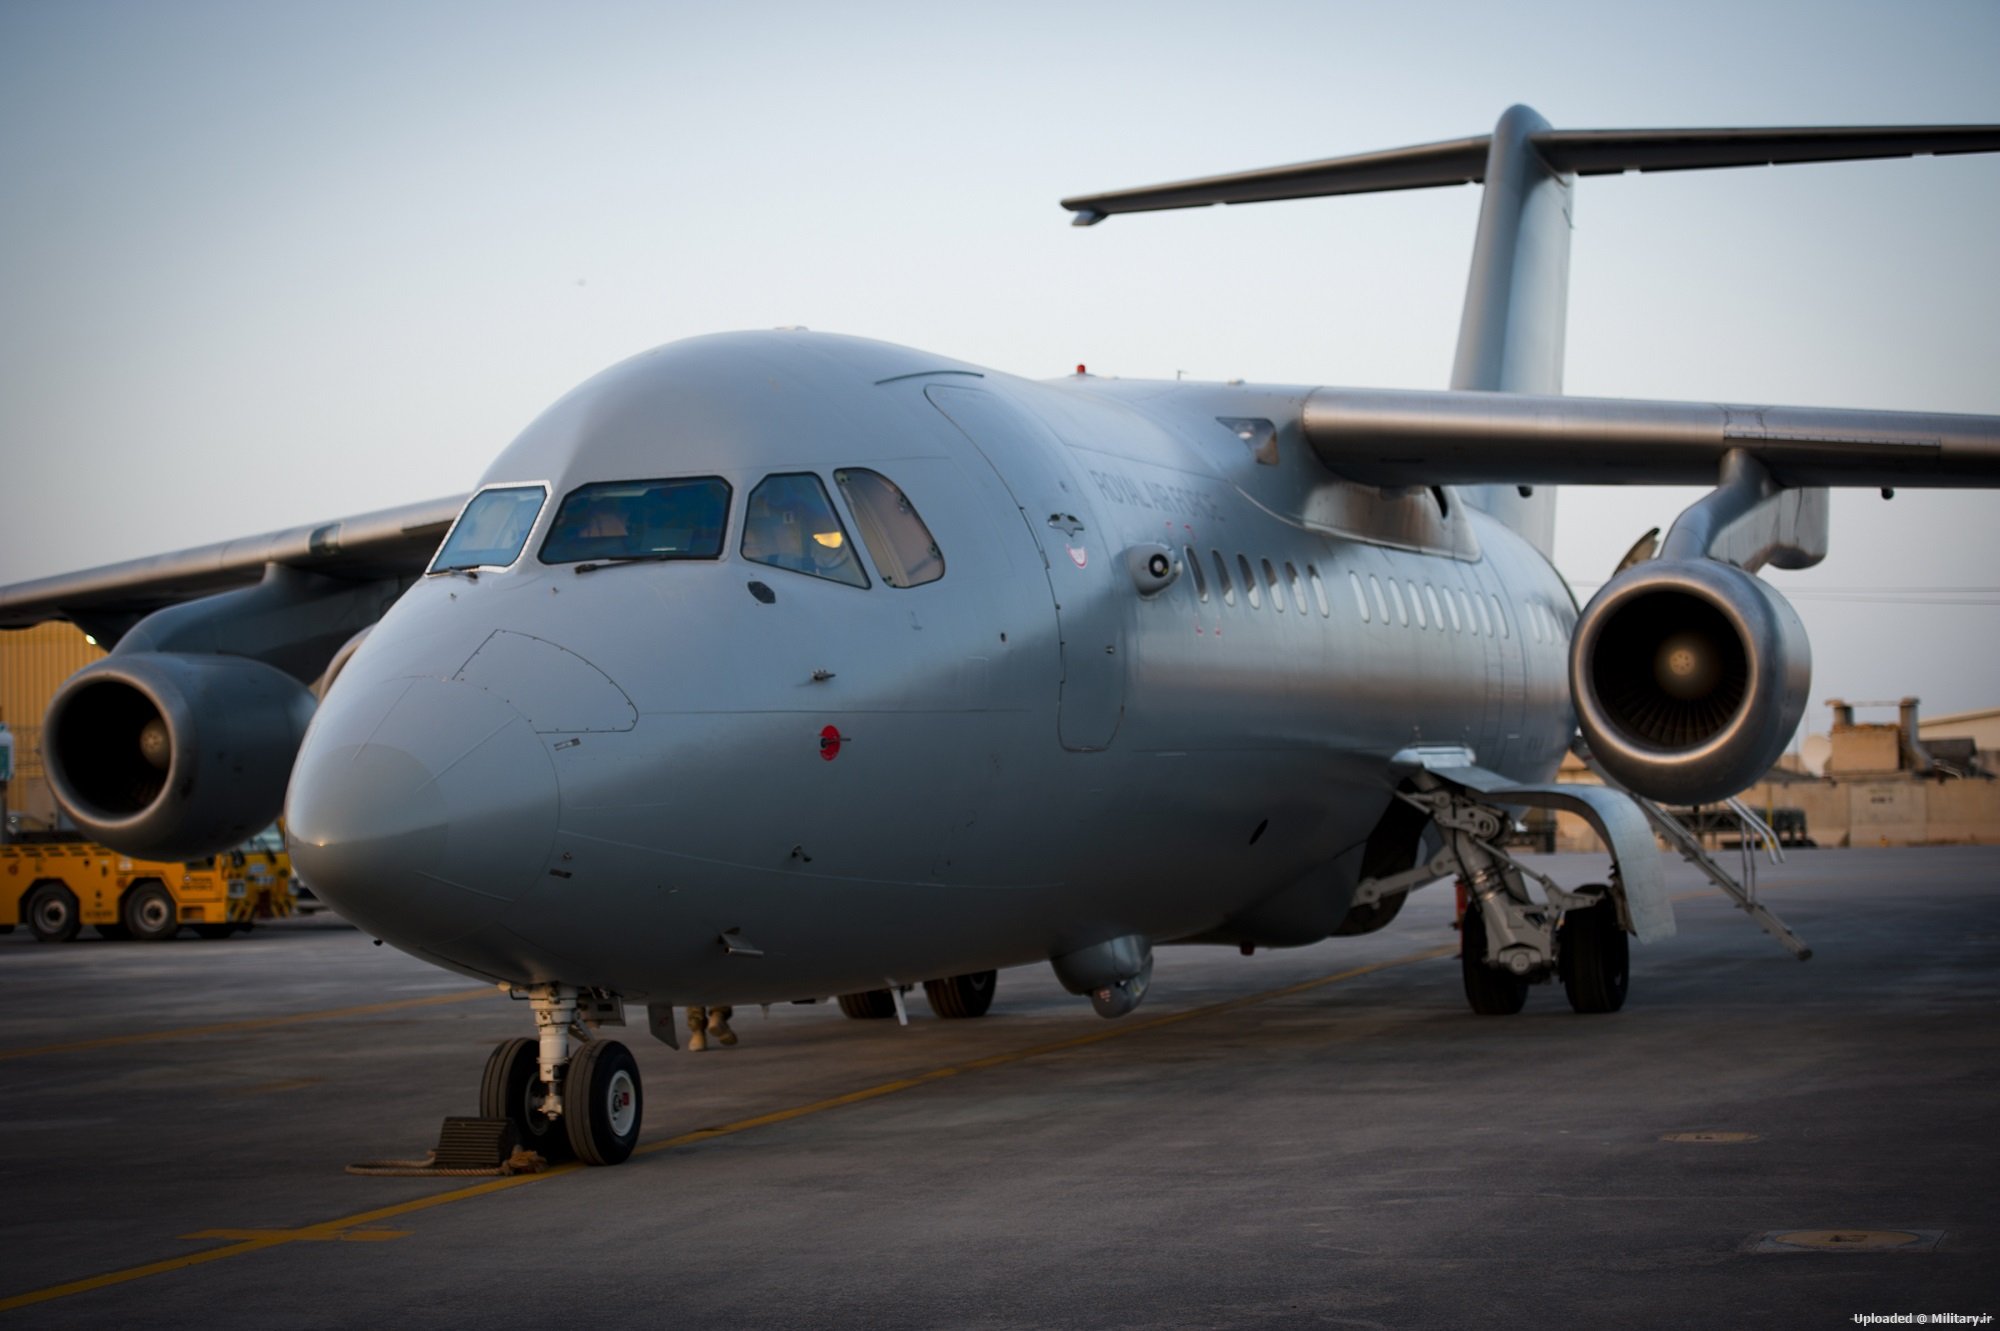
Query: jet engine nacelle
<point x="174" y="756"/>
<point x="1689" y="678"/>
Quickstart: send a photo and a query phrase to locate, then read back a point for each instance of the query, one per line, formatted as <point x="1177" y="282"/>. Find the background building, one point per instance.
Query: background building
<point x="33" y="664"/>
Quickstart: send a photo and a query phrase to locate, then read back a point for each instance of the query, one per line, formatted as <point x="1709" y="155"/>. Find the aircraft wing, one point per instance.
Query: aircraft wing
<point x="106" y="601"/>
<point x="1401" y="438"/>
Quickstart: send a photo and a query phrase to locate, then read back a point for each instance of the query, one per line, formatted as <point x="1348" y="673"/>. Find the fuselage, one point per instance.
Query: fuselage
<point x="726" y="778"/>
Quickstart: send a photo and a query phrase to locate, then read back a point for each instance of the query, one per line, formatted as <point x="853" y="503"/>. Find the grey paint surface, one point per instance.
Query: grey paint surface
<point x="1144" y="740"/>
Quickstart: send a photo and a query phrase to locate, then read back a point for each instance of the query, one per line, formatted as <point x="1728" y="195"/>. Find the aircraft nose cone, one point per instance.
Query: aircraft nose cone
<point x="419" y="808"/>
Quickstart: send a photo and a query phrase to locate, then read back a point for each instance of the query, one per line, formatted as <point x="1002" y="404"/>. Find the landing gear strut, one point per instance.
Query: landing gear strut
<point x="587" y="1104"/>
<point x="1508" y="939"/>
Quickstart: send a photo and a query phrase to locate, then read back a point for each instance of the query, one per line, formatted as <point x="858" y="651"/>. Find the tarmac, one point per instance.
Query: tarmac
<point x="1324" y="1136"/>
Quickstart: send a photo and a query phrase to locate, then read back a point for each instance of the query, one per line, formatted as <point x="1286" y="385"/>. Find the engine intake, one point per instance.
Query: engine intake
<point x="164" y="755"/>
<point x="1690" y="677"/>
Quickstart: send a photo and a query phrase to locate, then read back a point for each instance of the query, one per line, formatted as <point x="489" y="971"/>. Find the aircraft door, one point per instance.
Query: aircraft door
<point x="1076" y="555"/>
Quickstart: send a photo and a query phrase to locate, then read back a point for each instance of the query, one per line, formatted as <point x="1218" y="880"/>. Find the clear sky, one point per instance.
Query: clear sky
<point x="265" y="264"/>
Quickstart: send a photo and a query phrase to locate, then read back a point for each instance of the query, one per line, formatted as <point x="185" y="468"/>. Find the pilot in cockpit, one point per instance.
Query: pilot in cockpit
<point x="773" y="532"/>
<point x="790" y="524"/>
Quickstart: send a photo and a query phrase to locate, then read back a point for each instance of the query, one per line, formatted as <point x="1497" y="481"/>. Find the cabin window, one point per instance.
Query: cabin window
<point x="1417" y="608"/>
<point x="1381" y="603"/>
<point x="492" y="529"/>
<point x="1396" y="595"/>
<point x="1319" y="592"/>
<point x="1500" y="616"/>
<point x="1465" y="606"/>
<point x="1360" y="597"/>
<point x="618" y="520"/>
<point x="1451" y="606"/>
<point x="1277" y="592"/>
<point x="1431" y="600"/>
<point x="1298" y="586"/>
<point x="897" y="539"/>
<point x="790" y="523"/>
<point x="1195" y="566"/>
<point x="1249" y="582"/>
<point x="1222" y="578"/>
<point x="1200" y="578"/>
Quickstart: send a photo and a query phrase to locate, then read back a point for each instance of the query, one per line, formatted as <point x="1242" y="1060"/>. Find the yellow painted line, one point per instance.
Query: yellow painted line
<point x="303" y="1235"/>
<point x="253" y="1024"/>
<point x="249" y="1241"/>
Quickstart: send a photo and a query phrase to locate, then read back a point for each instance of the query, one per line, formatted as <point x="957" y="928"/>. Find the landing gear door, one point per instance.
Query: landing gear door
<point x="1076" y="553"/>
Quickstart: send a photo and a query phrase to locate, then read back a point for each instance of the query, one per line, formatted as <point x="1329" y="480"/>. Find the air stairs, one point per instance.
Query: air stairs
<point x="1741" y="887"/>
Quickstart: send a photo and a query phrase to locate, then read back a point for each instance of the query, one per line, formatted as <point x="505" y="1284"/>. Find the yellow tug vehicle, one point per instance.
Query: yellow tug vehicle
<point x="57" y="887"/>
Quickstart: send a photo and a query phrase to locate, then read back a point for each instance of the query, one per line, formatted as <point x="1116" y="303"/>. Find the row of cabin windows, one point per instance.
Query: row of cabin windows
<point x="1424" y="604"/>
<point x="1428" y="608"/>
<point x="1254" y="589"/>
<point x="789" y="522"/>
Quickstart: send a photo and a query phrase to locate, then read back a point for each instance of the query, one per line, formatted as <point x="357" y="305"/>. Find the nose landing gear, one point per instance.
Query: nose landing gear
<point x="588" y="1104"/>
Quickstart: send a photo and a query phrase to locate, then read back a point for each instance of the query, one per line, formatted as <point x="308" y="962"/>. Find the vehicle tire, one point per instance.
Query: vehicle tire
<point x="869" y="1004"/>
<point x="52" y="912"/>
<point x="602" y="1103"/>
<point x="116" y="933"/>
<point x="149" y="912"/>
<point x="214" y="930"/>
<point x="512" y="1089"/>
<point x="958" y="996"/>
<point x="1594" y="958"/>
<point x="1491" y="992"/>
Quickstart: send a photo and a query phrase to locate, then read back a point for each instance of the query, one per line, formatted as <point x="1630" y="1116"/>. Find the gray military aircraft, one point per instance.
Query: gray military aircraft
<point x="772" y="665"/>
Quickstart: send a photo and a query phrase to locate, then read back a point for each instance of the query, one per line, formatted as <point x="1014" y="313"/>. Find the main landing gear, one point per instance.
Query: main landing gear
<point x="585" y="1104"/>
<point x="1508" y="940"/>
<point x="953" y="997"/>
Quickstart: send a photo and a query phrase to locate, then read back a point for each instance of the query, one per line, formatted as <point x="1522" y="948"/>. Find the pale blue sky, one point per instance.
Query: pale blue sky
<point x="264" y="264"/>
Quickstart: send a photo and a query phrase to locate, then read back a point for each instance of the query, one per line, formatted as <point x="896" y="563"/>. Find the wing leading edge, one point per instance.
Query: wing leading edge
<point x="388" y="543"/>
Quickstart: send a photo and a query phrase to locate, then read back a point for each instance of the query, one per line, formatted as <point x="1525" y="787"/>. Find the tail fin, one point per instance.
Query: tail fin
<point x="1510" y="337"/>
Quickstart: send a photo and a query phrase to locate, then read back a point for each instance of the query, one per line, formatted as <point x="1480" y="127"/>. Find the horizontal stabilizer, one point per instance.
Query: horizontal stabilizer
<point x="1587" y="152"/>
<point x="1392" y="437"/>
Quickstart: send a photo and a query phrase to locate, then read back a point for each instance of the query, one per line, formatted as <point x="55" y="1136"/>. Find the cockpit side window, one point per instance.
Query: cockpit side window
<point x="904" y="552"/>
<point x="682" y="518"/>
<point x="790" y="523"/>
<point x="492" y="529"/>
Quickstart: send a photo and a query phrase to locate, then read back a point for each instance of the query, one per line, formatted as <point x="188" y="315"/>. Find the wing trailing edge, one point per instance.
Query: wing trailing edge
<point x="1400" y="438"/>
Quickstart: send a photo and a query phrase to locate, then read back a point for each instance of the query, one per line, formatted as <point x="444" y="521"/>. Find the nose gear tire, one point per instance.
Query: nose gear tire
<point x="512" y="1089"/>
<point x="602" y="1103"/>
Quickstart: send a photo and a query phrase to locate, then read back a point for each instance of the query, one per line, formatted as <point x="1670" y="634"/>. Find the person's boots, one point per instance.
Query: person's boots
<point x="697" y="1041"/>
<point x="718" y="1025"/>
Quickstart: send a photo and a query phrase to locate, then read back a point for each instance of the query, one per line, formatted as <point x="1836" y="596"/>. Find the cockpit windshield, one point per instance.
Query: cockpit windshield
<point x="492" y="529"/>
<point x="789" y="523"/>
<point x="665" y="519"/>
